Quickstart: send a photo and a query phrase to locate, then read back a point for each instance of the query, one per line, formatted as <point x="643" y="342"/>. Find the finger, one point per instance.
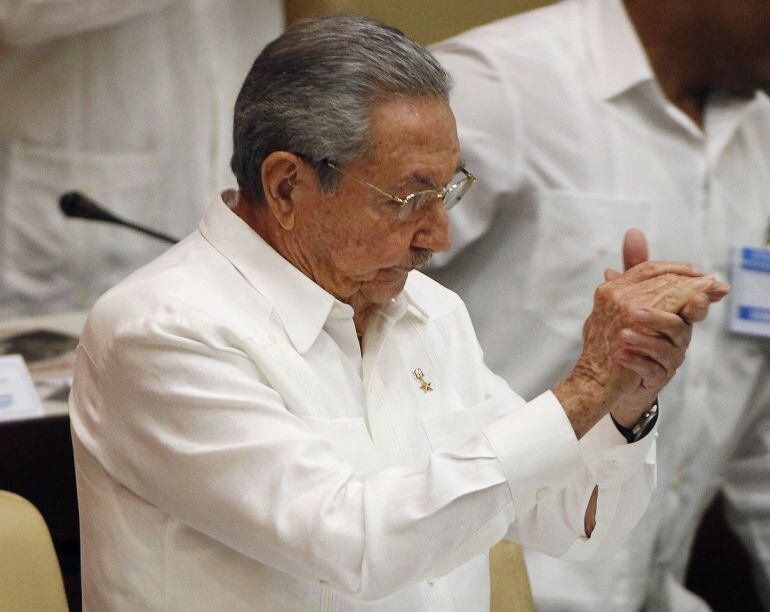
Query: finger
<point x="656" y="286"/>
<point x="715" y="292"/>
<point x="658" y="348"/>
<point x="696" y="309"/>
<point x="653" y="375"/>
<point x="651" y="269"/>
<point x="611" y="275"/>
<point x="635" y="249"/>
<point x="673" y="298"/>
<point x="662" y="290"/>
<point x="718" y="291"/>
<point x="660" y="322"/>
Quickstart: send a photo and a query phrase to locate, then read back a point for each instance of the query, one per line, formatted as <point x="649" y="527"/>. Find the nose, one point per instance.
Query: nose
<point x="433" y="229"/>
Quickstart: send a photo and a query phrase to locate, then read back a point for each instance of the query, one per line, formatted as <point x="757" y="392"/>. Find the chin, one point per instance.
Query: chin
<point x="381" y="290"/>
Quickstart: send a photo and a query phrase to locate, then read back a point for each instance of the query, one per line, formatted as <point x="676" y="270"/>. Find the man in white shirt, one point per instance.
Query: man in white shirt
<point x="93" y="97"/>
<point x="280" y="414"/>
<point x="583" y="119"/>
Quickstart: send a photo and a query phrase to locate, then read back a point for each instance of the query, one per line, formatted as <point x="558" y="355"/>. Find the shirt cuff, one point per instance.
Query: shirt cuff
<point x="537" y="449"/>
<point x="610" y="457"/>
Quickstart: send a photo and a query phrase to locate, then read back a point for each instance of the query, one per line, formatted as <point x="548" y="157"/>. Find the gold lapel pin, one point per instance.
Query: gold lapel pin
<point x="425" y="386"/>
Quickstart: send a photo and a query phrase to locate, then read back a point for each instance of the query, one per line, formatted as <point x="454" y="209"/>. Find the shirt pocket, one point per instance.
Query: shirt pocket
<point x="578" y="236"/>
<point x="448" y="431"/>
<point x="350" y="440"/>
<point x="67" y="262"/>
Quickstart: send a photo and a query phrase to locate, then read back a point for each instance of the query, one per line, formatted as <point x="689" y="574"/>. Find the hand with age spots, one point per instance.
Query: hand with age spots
<point x="636" y="336"/>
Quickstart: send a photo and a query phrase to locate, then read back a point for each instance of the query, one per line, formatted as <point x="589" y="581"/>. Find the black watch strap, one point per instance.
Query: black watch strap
<point x="642" y="427"/>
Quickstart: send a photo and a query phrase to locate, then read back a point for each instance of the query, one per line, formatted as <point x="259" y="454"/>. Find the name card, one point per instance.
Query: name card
<point x="750" y="295"/>
<point x="18" y="398"/>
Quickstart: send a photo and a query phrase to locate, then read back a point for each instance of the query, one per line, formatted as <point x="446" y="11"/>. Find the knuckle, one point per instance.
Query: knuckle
<point x="626" y="311"/>
<point x="603" y="293"/>
<point x="599" y="292"/>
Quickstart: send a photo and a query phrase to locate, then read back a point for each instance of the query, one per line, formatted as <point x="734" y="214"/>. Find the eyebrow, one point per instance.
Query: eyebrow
<point x="424" y="180"/>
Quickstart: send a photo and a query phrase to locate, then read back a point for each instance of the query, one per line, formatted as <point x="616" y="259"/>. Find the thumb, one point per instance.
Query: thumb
<point x="634" y="249"/>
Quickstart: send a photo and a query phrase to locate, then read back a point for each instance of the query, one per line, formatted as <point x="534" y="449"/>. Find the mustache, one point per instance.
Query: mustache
<point x="421" y="258"/>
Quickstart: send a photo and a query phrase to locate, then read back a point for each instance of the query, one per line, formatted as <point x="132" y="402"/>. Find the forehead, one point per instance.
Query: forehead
<point x="414" y="135"/>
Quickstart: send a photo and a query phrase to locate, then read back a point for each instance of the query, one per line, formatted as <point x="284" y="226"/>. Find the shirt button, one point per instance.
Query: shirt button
<point x="543" y="493"/>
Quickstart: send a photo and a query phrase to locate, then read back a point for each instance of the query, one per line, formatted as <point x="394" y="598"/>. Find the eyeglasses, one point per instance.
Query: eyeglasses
<point x="449" y="195"/>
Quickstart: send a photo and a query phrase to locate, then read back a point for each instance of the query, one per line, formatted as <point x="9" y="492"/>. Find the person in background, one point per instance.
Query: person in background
<point x="127" y="100"/>
<point x="582" y="119"/>
<point x="281" y="413"/>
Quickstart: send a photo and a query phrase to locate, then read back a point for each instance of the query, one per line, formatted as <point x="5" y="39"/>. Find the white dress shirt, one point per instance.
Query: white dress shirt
<point x="573" y="142"/>
<point x="128" y="100"/>
<point x="236" y="450"/>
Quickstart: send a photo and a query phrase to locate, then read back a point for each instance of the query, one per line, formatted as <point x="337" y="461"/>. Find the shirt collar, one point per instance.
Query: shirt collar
<point x="617" y="54"/>
<point x="620" y="64"/>
<point x="301" y="305"/>
<point x="418" y="301"/>
<point x="725" y="113"/>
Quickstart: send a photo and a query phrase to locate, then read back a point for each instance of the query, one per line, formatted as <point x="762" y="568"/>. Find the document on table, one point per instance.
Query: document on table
<point x="50" y="357"/>
<point x="18" y="397"/>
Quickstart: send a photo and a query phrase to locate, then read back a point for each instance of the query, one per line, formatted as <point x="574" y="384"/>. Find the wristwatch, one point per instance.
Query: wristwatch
<point x="642" y="427"/>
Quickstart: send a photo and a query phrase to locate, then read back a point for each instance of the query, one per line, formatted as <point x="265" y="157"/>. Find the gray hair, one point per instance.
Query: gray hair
<point x="312" y="91"/>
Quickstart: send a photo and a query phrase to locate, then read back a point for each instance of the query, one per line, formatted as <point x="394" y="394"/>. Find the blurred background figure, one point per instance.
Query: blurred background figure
<point x="131" y="102"/>
<point x="581" y="120"/>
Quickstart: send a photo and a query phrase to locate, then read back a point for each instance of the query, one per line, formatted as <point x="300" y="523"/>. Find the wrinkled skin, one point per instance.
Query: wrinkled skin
<point x="636" y="336"/>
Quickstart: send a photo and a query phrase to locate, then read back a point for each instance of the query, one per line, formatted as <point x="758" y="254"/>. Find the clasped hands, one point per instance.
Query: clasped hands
<point x="636" y="336"/>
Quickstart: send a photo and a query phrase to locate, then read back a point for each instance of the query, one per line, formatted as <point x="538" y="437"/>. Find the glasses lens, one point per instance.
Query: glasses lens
<point x="404" y="210"/>
<point x="417" y="201"/>
<point x="456" y="192"/>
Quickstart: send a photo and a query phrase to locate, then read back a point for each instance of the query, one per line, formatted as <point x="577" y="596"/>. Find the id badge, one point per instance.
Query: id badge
<point x="749" y="311"/>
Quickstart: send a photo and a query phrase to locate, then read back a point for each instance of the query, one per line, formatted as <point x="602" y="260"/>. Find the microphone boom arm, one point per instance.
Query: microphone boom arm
<point x="75" y="204"/>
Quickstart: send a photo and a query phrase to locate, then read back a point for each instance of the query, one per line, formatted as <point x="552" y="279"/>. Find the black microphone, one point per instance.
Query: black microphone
<point x="75" y="204"/>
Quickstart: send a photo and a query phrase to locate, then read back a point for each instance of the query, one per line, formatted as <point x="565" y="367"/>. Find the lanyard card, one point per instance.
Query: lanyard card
<point x="18" y="398"/>
<point x="750" y="296"/>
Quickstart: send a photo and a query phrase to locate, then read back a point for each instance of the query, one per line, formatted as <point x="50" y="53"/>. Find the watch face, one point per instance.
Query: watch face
<point x="646" y="422"/>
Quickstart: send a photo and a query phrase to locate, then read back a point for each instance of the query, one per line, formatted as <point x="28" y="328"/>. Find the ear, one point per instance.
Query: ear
<point x="281" y="175"/>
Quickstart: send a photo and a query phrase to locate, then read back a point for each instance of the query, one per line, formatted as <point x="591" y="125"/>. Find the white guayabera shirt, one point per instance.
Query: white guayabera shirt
<point x="236" y="451"/>
<point x="130" y="101"/>
<point x="563" y="122"/>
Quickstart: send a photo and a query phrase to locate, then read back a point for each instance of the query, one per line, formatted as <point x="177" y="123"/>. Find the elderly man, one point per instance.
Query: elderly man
<point x="580" y="120"/>
<point x="280" y="414"/>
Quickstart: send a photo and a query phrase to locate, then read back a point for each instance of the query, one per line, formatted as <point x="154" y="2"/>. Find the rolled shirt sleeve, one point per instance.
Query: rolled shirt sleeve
<point x="551" y="488"/>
